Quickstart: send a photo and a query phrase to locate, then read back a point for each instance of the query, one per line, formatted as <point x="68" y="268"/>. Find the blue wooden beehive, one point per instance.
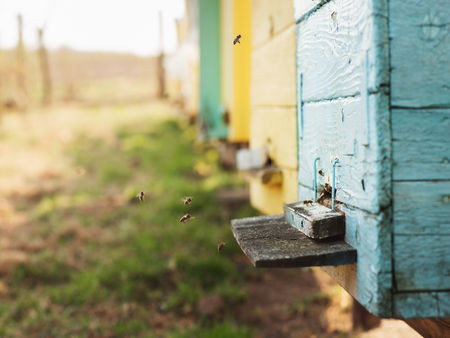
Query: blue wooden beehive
<point x="374" y="92"/>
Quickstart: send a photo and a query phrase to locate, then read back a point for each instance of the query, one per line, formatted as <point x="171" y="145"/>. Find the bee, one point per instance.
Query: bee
<point x="141" y="196"/>
<point x="220" y="246"/>
<point x="237" y="39"/>
<point x="321" y="173"/>
<point x="187" y="200"/>
<point x="333" y="16"/>
<point x="307" y="202"/>
<point x="185" y="218"/>
<point x="327" y="188"/>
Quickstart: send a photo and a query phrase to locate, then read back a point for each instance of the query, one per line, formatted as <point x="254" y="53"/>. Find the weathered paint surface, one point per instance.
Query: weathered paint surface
<point x="421" y="144"/>
<point x="343" y="112"/>
<point x="420" y="53"/>
<point x="416" y="304"/>
<point x="420" y="101"/>
<point x="272" y="99"/>
<point x="211" y="110"/>
<point x="226" y="53"/>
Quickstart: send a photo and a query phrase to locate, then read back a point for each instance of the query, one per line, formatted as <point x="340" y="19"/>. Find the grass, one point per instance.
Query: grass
<point x="106" y="252"/>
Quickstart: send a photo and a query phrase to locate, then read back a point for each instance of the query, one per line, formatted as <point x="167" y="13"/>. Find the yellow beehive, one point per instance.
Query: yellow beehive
<point x="273" y="100"/>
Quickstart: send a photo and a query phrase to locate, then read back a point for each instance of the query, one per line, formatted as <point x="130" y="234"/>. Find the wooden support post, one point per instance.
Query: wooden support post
<point x="45" y="69"/>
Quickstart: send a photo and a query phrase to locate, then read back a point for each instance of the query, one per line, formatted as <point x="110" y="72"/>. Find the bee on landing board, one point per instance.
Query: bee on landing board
<point x="185" y="218"/>
<point x="141" y="196"/>
<point x="220" y="246"/>
<point x="237" y="39"/>
<point x="187" y="200"/>
<point x="307" y="202"/>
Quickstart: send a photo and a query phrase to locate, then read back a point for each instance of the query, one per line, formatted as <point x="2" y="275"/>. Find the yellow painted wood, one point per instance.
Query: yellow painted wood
<point x="269" y="18"/>
<point x="269" y="199"/>
<point x="273" y="76"/>
<point x="226" y="53"/>
<point x="275" y="129"/>
<point x="240" y="113"/>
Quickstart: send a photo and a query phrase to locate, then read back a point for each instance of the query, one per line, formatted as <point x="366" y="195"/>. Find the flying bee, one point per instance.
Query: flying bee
<point x="237" y="39"/>
<point x="320" y="172"/>
<point x="307" y="202"/>
<point x="220" y="246"/>
<point x="185" y="218"/>
<point x="141" y="196"/>
<point x="187" y="200"/>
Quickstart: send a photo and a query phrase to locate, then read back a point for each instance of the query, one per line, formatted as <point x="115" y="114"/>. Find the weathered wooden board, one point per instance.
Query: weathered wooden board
<point x="270" y="241"/>
<point x="370" y="281"/>
<point x="315" y="220"/>
<point x="302" y="7"/>
<point x="422" y="262"/>
<point x="273" y="71"/>
<point x="269" y="199"/>
<point x="422" y="304"/>
<point x="269" y="18"/>
<point x="420" y="53"/>
<point x="422" y="208"/>
<point x="341" y="129"/>
<point x="430" y="327"/>
<point x="268" y="175"/>
<point x="274" y="129"/>
<point x="421" y="144"/>
<point x="339" y="50"/>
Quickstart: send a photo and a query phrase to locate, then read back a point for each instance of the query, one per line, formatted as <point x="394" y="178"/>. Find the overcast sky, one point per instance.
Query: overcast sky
<point x="95" y="25"/>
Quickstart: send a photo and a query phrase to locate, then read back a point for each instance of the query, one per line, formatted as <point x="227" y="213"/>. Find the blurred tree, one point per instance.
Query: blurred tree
<point x="45" y="69"/>
<point x="20" y="66"/>
<point x="161" y="73"/>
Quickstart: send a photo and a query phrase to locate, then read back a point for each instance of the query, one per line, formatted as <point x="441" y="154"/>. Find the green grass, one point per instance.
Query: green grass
<point x="128" y="252"/>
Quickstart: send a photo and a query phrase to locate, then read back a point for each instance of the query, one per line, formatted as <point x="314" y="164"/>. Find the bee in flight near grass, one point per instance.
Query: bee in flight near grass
<point x="141" y="196"/>
<point x="185" y="218"/>
<point x="187" y="200"/>
<point x="237" y="39"/>
<point x="220" y="246"/>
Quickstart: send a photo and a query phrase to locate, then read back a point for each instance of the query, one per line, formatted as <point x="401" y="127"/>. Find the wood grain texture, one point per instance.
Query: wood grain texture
<point x="420" y="53"/>
<point x="421" y="144"/>
<point x="270" y="241"/>
<point x="303" y="7"/>
<point x="422" y="208"/>
<point x="273" y="71"/>
<point x="269" y="18"/>
<point x="341" y="50"/>
<point x="315" y="220"/>
<point x="430" y="327"/>
<point x="339" y="129"/>
<point x="274" y="129"/>
<point x="422" y="304"/>
<point x="422" y="262"/>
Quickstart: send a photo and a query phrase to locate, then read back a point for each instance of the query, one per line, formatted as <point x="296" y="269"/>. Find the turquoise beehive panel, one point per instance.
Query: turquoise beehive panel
<point x="373" y="90"/>
<point x="211" y="111"/>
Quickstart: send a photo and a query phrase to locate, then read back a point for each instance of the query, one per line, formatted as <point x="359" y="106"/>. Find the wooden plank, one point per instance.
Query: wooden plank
<point x="430" y="327"/>
<point x="315" y="220"/>
<point x="269" y="18"/>
<point x="270" y="241"/>
<point x="422" y="304"/>
<point x="420" y="144"/>
<point x="422" y="262"/>
<point x="339" y="129"/>
<point x="340" y="50"/>
<point x="273" y="72"/>
<point x="302" y="7"/>
<point x="422" y="208"/>
<point x="240" y="115"/>
<point x="274" y="129"/>
<point x="370" y="280"/>
<point x="420" y="53"/>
